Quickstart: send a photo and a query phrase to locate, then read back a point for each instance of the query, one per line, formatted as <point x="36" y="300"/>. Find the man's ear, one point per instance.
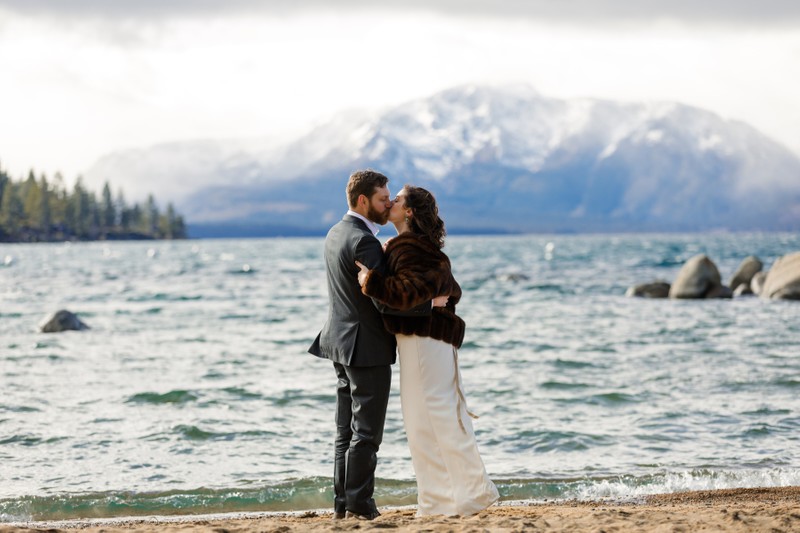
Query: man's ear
<point x="363" y="200"/>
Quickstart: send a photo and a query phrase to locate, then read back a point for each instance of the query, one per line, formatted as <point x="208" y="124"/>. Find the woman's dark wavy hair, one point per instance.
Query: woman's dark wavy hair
<point x="426" y="219"/>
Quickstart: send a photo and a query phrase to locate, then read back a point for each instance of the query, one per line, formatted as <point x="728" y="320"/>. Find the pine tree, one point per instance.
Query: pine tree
<point x="151" y="217"/>
<point x="12" y="211"/>
<point x="4" y="179"/>
<point x="108" y="211"/>
<point x="179" y="231"/>
<point x="44" y="221"/>
<point x="123" y="213"/>
<point x="31" y="198"/>
<point x="135" y="218"/>
<point x="79" y="202"/>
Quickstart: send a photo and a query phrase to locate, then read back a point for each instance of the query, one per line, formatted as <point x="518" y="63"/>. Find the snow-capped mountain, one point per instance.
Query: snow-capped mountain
<point x="499" y="158"/>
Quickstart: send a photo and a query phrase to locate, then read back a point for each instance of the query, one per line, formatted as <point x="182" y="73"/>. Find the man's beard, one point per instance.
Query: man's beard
<point x="376" y="217"/>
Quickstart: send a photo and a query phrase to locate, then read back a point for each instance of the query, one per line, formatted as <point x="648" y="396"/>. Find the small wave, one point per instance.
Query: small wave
<point x="767" y="411"/>
<point x="789" y="383"/>
<point x="176" y="396"/>
<point x="272" y="320"/>
<point x="609" y="399"/>
<point x="550" y="287"/>
<point x="756" y="432"/>
<point x="567" y="363"/>
<point x="551" y="441"/>
<point x="190" y="432"/>
<point x="295" y="397"/>
<point x="235" y="316"/>
<point x="317" y="493"/>
<point x="560" y="385"/>
<point x="631" y="487"/>
<point x="307" y="493"/>
<point x="19" y="409"/>
<point x="29" y="440"/>
<point x="164" y="297"/>
<point x="195" y="433"/>
<point x="243" y="394"/>
<point x="613" y="398"/>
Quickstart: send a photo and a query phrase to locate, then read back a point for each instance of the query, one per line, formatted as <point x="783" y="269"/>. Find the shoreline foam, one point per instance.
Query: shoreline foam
<point x="753" y="509"/>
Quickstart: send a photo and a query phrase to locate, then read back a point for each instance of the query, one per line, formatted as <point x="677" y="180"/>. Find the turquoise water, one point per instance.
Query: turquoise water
<point x="193" y="393"/>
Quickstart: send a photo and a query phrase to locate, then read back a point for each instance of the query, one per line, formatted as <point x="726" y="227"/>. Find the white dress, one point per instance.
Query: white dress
<point x="451" y="477"/>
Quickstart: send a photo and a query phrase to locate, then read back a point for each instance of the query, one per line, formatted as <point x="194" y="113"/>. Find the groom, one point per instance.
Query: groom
<point x="354" y="338"/>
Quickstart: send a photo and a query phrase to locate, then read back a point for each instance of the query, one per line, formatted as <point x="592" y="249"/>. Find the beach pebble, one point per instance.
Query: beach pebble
<point x="63" y="320"/>
<point x="783" y="279"/>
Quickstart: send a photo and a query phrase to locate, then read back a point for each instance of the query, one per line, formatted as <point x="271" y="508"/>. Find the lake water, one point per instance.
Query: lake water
<point x="193" y="393"/>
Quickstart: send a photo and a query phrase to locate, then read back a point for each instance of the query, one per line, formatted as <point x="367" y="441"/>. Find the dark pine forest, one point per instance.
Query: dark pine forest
<point x="35" y="209"/>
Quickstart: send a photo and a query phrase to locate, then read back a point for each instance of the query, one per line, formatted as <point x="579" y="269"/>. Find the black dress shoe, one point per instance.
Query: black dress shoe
<point x="371" y="516"/>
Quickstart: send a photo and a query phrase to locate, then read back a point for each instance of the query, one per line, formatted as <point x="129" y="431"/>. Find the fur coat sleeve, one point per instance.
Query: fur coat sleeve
<point x="416" y="272"/>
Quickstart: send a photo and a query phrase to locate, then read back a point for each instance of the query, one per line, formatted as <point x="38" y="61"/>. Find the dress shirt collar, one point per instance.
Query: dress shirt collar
<point x="373" y="227"/>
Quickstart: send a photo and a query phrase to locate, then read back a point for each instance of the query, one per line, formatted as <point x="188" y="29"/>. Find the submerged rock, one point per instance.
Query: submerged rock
<point x="63" y="320"/>
<point x="783" y="279"/>
<point x="744" y="274"/>
<point x="698" y="278"/>
<point x="513" y="277"/>
<point x="654" y="289"/>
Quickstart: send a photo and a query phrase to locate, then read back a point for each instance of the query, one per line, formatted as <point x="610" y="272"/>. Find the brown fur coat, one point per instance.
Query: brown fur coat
<point x="416" y="272"/>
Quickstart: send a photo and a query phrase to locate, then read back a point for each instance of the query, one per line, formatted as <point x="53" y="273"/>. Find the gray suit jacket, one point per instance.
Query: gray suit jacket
<point x="354" y="334"/>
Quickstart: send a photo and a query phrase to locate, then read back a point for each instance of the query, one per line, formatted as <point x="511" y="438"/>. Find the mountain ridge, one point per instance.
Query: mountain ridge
<point x="506" y="159"/>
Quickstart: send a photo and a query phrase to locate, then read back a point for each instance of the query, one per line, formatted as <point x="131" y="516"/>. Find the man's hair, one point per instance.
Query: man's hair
<point x="364" y="182"/>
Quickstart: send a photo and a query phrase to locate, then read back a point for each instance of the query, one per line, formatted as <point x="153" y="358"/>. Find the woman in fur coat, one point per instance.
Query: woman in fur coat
<point x="451" y="477"/>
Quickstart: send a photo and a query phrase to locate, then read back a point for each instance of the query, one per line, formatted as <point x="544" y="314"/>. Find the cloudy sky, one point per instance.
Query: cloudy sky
<point x="81" y="78"/>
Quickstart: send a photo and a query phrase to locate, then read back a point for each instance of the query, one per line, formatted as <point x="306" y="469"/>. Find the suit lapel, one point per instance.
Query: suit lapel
<point x="357" y="222"/>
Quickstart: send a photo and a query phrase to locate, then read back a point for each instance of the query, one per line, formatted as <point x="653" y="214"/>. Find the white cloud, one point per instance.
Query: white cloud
<point x="744" y="12"/>
<point x="80" y="87"/>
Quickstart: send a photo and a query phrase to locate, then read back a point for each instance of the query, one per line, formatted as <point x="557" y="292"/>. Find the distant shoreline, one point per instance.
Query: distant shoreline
<point x="199" y="232"/>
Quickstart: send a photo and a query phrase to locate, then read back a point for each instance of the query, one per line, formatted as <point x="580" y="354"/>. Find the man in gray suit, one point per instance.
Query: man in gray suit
<point x="355" y="340"/>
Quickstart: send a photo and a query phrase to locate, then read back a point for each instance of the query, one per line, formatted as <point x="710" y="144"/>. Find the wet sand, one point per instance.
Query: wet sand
<point x="759" y="509"/>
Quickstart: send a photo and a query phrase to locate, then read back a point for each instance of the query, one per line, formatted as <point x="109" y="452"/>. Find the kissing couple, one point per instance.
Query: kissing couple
<point x="401" y="299"/>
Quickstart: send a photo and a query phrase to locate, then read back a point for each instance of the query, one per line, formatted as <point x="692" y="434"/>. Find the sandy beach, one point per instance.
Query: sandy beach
<point x="757" y="509"/>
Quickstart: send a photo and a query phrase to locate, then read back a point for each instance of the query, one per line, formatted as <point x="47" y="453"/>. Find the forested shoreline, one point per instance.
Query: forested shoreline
<point x="41" y="210"/>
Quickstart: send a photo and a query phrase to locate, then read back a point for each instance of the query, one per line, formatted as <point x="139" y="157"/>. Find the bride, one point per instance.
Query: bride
<point x="451" y="477"/>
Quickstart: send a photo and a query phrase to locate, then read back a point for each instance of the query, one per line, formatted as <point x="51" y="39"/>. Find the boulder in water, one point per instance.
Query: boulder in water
<point x="783" y="279"/>
<point x="63" y="320"/>
<point x="697" y="278"/>
<point x="655" y="289"/>
<point x="719" y="291"/>
<point x="757" y="283"/>
<point x="743" y="289"/>
<point x="749" y="268"/>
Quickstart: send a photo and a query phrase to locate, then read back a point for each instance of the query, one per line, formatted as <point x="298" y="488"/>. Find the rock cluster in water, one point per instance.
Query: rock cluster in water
<point x="700" y="278"/>
<point x="63" y="320"/>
